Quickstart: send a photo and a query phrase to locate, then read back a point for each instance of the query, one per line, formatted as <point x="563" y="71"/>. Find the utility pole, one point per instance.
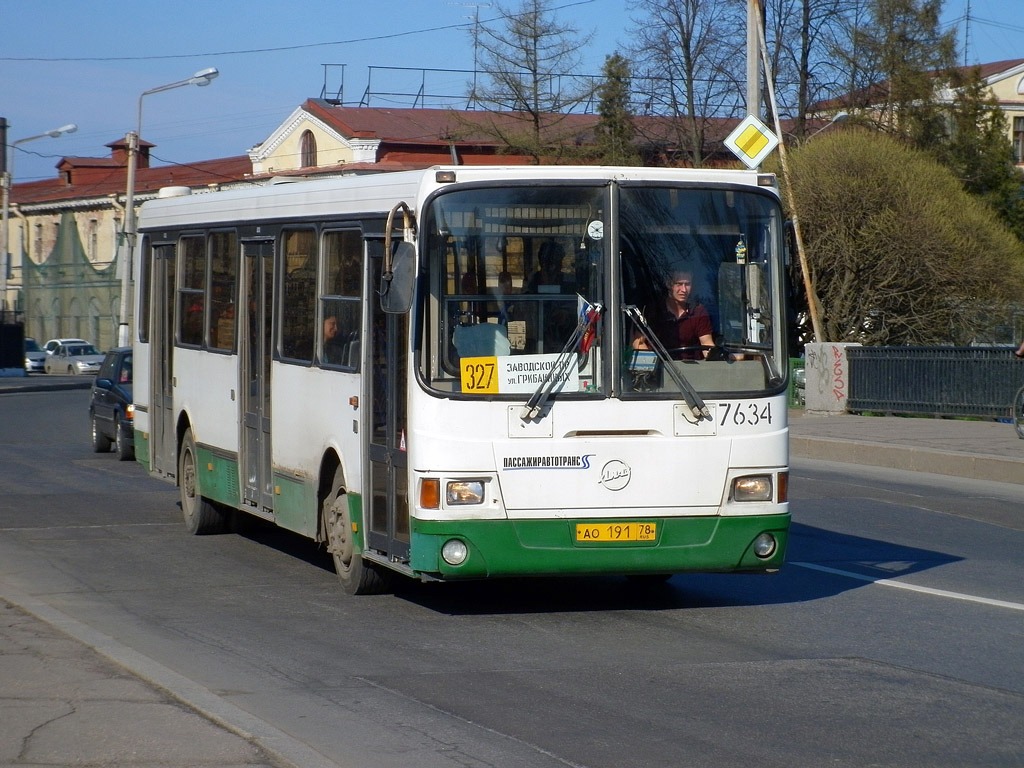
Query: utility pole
<point x="754" y="16"/>
<point x="5" y="256"/>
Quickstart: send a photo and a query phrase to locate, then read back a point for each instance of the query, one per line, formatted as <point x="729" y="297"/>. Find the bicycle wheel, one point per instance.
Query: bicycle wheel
<point x="1018" y="413"/>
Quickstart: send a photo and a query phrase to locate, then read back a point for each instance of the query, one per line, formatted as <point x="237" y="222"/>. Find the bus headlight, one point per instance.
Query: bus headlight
<point x="464" y="492"/>
<point x="752" y="488"/>
<point x="454" y="552"/>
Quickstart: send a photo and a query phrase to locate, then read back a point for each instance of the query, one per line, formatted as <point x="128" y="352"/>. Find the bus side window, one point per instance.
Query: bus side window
<point x="223" y="282"/>
<point x="340" y="303"/>
<point x="298" y="307"/>
<point x="192" y="290"/>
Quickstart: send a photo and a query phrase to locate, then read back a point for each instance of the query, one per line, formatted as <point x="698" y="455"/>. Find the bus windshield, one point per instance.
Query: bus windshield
<point x="526" y="284"/>
<point x="512" y="271"/>
<point x="701" y="296"/>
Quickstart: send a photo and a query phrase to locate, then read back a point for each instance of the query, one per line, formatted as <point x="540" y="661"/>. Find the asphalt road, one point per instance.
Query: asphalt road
<point x="894" y="636"/>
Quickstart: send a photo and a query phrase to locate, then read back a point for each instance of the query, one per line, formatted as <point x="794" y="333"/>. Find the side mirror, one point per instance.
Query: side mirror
<point x="104" y="384"/>
<point x="397" y="285"/>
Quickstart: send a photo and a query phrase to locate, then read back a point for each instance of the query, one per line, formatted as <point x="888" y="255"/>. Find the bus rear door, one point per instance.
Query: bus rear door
<point x="254" y="377"/>
<point x="163" y="449"/>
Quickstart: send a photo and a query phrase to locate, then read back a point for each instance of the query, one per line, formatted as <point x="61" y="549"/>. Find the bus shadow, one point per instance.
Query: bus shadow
<point x="817" y="560"/>
<point x="281" y="540"/>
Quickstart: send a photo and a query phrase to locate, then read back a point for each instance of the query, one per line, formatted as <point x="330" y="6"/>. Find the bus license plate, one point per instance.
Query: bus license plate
<point x="616" y="532"/>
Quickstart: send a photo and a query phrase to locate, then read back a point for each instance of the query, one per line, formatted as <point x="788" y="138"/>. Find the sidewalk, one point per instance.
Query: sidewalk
<point x="63" y="703"/>
<point x="71" y="696"/>
<point x="979" y="450"/>
<point x="43" y="382"/>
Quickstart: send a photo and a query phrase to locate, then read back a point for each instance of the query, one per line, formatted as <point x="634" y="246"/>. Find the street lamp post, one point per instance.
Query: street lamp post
<point x="8" y="174"/>
<point x="200" y="78"/>
<point x="838" y="117"/>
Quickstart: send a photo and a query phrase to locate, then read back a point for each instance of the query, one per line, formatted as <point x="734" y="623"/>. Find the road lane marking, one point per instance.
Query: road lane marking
<point x="913" y="587"/>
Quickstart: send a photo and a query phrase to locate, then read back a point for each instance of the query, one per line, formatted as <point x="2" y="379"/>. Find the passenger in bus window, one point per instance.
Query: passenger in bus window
<point x="507" y="308"/>
<point x="552" y="320"/>
<point x="333" y="352"/>
<point x="681" y="323"/>
<point x="549" y="277"/>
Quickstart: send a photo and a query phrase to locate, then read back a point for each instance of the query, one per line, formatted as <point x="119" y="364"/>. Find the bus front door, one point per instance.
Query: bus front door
<point x="388" y="521"/>
<point x="163" y="448"/>
<point x="254" y="377"/>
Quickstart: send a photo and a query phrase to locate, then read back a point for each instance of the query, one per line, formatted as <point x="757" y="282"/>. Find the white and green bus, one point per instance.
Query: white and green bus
<point x="464" y="372"/>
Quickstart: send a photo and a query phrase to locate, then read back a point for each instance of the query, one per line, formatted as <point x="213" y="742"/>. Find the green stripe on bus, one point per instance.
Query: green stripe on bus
<point x="548" y="547"/>
<point x="142" y="449"/>
<point x="218" y="477"/>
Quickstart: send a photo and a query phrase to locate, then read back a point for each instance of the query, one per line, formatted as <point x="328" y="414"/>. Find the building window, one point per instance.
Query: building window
<point x="1018" y="139"/>
<point x="308" y="150"/>
<point x="94" y="234"/>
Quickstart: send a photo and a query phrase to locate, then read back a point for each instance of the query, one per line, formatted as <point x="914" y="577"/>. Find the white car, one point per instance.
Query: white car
<point x="34" y="356"/>
<point x="74" y="358"/>
<point x="51" y="346"/>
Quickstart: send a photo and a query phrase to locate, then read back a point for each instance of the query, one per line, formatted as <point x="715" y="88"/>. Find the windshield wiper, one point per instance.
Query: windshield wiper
<point x="697" y="406"/>
<point x="535" y="405"/>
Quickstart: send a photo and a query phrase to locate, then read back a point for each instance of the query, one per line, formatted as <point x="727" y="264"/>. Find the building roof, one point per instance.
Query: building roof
<point x="436" y="126"/>
<point x="405" y="138"/>
<point x="90" y="178"/>
<point x="876" y="92"/>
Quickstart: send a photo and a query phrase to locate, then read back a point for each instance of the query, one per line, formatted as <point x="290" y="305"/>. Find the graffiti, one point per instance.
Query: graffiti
<point x="827" y="383"/>
<point x="839" y="373"/>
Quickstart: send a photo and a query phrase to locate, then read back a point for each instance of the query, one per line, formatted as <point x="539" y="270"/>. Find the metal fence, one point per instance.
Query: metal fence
<point x="941" y="381"/>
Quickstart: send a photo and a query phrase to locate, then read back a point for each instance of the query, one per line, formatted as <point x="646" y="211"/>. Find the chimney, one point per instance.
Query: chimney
<point x="119" y="152"/>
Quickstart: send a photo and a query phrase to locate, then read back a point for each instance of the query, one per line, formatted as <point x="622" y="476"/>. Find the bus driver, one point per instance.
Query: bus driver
<point x="681" y="323"/>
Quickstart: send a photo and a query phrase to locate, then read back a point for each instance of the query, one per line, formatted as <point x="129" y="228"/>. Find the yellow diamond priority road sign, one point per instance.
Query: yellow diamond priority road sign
<point x="751" y="141"/>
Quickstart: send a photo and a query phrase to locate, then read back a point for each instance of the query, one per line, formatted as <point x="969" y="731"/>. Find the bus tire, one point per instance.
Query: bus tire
<point x="202" y="516"/>
<point x="357" y="577"/>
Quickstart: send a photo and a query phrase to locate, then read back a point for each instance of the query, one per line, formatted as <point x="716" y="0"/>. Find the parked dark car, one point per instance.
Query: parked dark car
<point x="111" y="409"/>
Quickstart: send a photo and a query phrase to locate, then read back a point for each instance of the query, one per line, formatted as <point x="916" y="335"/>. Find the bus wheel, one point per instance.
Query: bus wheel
<point x="202" y="516"/>
<point x="356" y="576"/>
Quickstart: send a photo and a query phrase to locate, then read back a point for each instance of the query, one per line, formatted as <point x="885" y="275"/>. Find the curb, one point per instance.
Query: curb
<point x="44" y="386"/>
<point x="913" y="459"/>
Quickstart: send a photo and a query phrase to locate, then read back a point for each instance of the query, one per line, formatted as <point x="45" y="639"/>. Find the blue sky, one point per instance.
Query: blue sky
<point x="69" y="61"/>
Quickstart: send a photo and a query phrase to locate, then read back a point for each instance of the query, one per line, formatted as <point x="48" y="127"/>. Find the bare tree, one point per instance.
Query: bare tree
<point x="530" y="62"/>
<point x="799" y="35"/>
<point x="685" y="58"/>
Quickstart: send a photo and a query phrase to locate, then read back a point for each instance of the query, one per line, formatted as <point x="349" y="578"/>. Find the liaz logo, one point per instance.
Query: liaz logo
<point x="615" y="475"/>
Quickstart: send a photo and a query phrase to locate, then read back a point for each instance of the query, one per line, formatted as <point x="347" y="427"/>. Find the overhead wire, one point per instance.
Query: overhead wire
<point x="276" y="49"/>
